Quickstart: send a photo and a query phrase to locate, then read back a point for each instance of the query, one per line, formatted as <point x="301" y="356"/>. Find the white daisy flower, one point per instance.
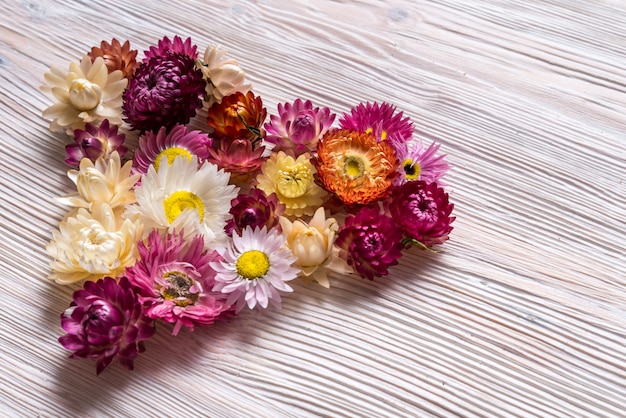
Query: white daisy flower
<point x="254" y="268"/>
<point x="185" y="197"/>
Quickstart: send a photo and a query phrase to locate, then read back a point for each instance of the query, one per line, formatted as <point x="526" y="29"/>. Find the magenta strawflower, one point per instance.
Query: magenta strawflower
<point x="177" y="46"/>
<point x="418" y="162"/>
<point x="165" y="91"/>
<point x="94" y="142"/>
<point x="104" y="322"/>
<point x="240" y="157"/>
<point x="379" y="119"/>
<point x="298" y="127"/>
<point x="255" y="210"/>
<point x="370" y="242"/>
<point x="179" y="141"/>
<point x="175" y="281"/>
<point x="423" y="211"/>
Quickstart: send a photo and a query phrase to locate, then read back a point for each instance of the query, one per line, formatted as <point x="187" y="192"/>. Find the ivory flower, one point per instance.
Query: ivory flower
<point x="313" y="247"/>
<point x="293" y="182"/>
<point x="223" y="76"/>
<point x="92" y="245"/>
<point x="105" y="181"/>
<point x="86" y="93"/>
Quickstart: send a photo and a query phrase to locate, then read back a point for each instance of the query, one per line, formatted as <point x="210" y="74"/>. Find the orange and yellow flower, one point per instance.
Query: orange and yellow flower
<point x="354" y="166"/>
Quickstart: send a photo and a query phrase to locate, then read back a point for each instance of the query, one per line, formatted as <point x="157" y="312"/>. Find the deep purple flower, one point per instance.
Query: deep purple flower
<point x="370" y="242"/>
<point x="422" y="211"/>
<point x="177" y="46"/>
<point x="254" y="209"/>
<point x="165" y="91"/>
<point x="94" y="142"/>
<point x="105" y="321"/>
<point x="379" y="119"/>
<point x="298" y="127"/>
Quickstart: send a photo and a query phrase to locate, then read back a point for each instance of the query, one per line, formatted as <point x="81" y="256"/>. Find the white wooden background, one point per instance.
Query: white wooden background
<point x="524" y="314"/>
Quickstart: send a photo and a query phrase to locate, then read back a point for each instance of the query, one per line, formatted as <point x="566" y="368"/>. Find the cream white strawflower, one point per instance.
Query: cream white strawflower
<point x="184" y="197"/>
<point x="91" y="245"/>
<point x="105" y="181"/>
<point x="85" y="93"/>
<point x="312" y="245"/>
<point x="223" y="76"/>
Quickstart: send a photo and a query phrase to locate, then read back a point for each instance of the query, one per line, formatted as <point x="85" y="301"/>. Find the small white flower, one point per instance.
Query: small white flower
<point x="223" y="76"/>
<point x="254" y="268"/>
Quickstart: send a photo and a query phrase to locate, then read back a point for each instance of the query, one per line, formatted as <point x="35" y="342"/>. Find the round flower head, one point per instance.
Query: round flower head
<point x="255" y="210"/>
<point x="254" y="268"/>
<point x="355" y="167"/>
<point x="165" y="91"/>
<point x="94" y="142"/>
<point x="87" y="93"/>
<point x="176" y="46"/>
<point x="105" y="181"/>
<point x="91" y="245"/>
<point x="418" y="162"/>
<point x="223" y="76"/>
<point x="175" y="281"/>
<point x="379" y="119"/>
<point x="178" y="142"/>
<point x="298" y="127"/>
<point x="240" y="157"/>
<point x="185" y="197"/>
<point x="422" y="211"/>
<point x="370" y="242"/>
<point x="105" y="322"/>
<point x="116" y="57"/>
<point x="312" y="245"/>
<point x="238" y="115"/>
<point x="293" y="182"/>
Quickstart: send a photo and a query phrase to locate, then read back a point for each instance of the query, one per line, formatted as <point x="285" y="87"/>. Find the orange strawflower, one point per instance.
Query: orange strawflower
<point x="238" y="116"/>
<point x="354" y="166"/>
<point x="116" y="57"/>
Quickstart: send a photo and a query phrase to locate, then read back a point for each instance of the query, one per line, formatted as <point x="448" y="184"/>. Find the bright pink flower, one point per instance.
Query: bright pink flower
<point x="175" y="281"/>
<point x="256" y="210"/>
<point x="94" y="142"/>
<point x="104" y="322"/>
<point x="381" y="120"/>
<point x="240" y="157"/>
<point x="177" y="46"/>
<point x="179" y="141"/>
<point x="422" y="211"/>
<point x="370" y="242"/>
<point x="418" y="162"/>
<point x="298" y="127"/>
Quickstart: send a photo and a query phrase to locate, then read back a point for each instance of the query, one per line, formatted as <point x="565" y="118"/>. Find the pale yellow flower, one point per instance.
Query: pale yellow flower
<point x="91" y="245"/>
<point x="224" y="76"/>
<point x="313" y="247"/>
<point x="105" y="181"/>
<point x="293" y="182"/>
<point x="86" y="93"/>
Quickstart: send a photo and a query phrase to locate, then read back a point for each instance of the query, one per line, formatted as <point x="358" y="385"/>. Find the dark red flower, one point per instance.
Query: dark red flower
<point x="254" y="209"/>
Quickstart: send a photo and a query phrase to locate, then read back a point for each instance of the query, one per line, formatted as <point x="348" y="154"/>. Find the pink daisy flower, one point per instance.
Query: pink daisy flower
<point x="177" y="46"/>
<point x="418" y="162"/>
<point x="179" y="141"/>
<point x="298" y="127"/>
<point x="378" y="119"/>
<point x="174" y="281"/>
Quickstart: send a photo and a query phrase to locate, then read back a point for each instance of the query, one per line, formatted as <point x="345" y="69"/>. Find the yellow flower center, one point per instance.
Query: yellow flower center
<point x="171" y="154"/>
<point x="253" y="264"/>
<point x="383" y="134"/>
<point x="178" y="289"/>
<point x="294" y="181"/>
<point x="354" y="166"/>
<point x="84" y="95"/>
<point x="412" y="169"/>
<point x="178" y="201"/>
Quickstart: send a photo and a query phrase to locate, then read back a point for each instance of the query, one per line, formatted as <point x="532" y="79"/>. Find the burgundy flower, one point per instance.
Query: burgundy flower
<point x="370" y="242"/>
<point x="254" y="209"/>
<point x="165" y="91"/>
<point x="176" y="46"/>
<point x="422" y="211"/>
<point x="240" y="157"/>
<point x="105" y="321"/>
<point x="94" y="142"/>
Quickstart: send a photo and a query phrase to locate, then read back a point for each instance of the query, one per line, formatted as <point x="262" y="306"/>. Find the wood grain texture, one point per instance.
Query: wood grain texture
<point x="523" y="314"/>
